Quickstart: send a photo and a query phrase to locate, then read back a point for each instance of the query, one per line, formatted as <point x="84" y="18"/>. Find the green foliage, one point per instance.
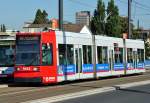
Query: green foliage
<point x="45" y="15"/>
<point x="109" y="23"/>
<point x="113" y="25"/>
<point x="41" y="17"/>
<point x="136" y="34"/>
<point x="124" y="24"/>
<point x="147" y="50"/>
<point x="97" y="22"/>
<point x="3" y="28"/>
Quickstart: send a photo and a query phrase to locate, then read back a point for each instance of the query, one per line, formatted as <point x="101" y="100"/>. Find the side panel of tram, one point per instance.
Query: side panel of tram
<point x="74" y="56"/>
<point x="109" y="56"/>
<point x="59" y="56"/>
<point x="7" y="46"/>
<point x="135" y="56"/>
<point x="36" y="58"/>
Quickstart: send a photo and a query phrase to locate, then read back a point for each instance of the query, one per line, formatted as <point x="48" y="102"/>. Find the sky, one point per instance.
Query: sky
<point x="13" y="13"/>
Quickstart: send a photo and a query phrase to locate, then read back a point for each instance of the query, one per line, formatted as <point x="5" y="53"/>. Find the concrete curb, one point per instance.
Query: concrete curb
<point x="134" y="84"/>
<point x="3" y="86"/>
<point x="71" y="95"/>
<point x="87" y="93"/>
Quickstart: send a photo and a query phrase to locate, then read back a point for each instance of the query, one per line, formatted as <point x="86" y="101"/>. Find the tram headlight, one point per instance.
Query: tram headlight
<point x="18" y="69"/>
<point x="35" y="69"/>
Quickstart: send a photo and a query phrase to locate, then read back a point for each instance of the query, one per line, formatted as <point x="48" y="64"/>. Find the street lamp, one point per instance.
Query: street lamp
<point x="129" y="19"/>
<point x="60" y="14"/>
<point x="125" y="52"/>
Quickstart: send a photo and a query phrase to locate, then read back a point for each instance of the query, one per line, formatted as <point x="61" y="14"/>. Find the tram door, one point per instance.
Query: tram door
<point x="135" y="59"/>
<point x="78" y="60"/>
<point x="111" y="59"/>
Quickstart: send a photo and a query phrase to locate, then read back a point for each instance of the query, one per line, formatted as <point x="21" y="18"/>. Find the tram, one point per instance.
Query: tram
<point x="57" y="56"/>
<point x="7" y="48"/>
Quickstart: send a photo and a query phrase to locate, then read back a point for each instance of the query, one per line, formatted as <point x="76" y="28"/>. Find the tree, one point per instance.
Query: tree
<point x="38" y="17"/>
<point x="3" y="28"/>
<point x="97" y="24"/>
<point x="136" y="33"/>
<point x="124" y="27"/>
<point x="45" y="16"/>
<point x="113" y="26"/>
<point x="147" y="50"/>
<point x="41" y="17"/>
<point x="124" y="24"/>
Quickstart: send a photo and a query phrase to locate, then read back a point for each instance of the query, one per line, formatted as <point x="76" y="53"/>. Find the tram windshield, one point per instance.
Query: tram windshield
<point x="28" y="51"/>
<point x="6" y="56"/>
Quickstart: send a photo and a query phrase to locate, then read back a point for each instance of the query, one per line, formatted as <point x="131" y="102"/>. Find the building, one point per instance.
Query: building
<point x="68" y="26"/>
<point x="143" y="34"/>
<point x="83" y="18"/>
<point x="73" y="27"/>
<point x="29" y="27"/>
<point x="7" y="39"/>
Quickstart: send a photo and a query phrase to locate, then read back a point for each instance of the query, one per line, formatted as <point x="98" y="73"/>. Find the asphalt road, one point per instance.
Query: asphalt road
<point x="139" y="94"/>
<point x="22" y="93"/>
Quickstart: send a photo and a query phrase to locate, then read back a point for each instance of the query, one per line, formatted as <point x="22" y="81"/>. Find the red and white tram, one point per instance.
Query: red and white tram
<point x="56" y="56"/>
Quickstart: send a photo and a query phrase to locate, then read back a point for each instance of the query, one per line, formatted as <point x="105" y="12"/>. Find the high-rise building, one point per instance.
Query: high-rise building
<point x="83" y="18"/>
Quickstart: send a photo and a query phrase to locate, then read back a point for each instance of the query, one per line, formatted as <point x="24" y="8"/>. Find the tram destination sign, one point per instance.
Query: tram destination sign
<point x="7" y="42"/>
<point x="28" y="38"/>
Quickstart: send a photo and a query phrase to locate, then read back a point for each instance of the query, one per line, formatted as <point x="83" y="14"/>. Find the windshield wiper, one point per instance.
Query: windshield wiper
<point x="38" y="58"/>
<point x="32" y="61"/>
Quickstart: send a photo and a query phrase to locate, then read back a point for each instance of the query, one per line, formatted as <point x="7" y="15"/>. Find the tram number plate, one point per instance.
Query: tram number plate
<point x="49" y="79"/>
<point x="3" y="75"/>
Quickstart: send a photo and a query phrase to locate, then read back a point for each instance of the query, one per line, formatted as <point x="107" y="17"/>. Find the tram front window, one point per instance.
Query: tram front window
<point x="28" y="51"/>
<point x="6" y="56"/>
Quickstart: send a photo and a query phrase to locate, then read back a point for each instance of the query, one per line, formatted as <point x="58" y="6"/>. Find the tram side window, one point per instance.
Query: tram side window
<point x="130" y="55"/>
<point x="47" y="54"/>
<point x="70" y="54"/>
<point x="118" y="55"/>
<point x="141" y="55"/>
<point x="62" y="51"/>
<point x="66" y="57"/>
<point x="87" y="54"/>
<point x="102" y="55"/>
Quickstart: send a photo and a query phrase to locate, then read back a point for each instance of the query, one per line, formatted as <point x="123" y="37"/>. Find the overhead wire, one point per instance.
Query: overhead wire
<point x="141" y="4"/>
<point x="134" y="14"/>
<point x="82" y="3"/>
<point x="138" y="5"/>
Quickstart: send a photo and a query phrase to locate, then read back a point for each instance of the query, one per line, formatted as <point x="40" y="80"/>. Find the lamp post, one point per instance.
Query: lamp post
<point x="94" y="44"/>
<point x="129" y="19"/>
<point x="125" y="52"/>
<point x="60" y="14"/>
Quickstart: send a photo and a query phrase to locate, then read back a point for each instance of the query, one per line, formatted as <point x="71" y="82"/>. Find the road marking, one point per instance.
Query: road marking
<point x="134" y="84"/>
<point x="39" y="89"/>
<point x="3" y="86"/>
<point x="45" y="88"/>
<point x="86" y="93"/>
<point x="72" y="95"/>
